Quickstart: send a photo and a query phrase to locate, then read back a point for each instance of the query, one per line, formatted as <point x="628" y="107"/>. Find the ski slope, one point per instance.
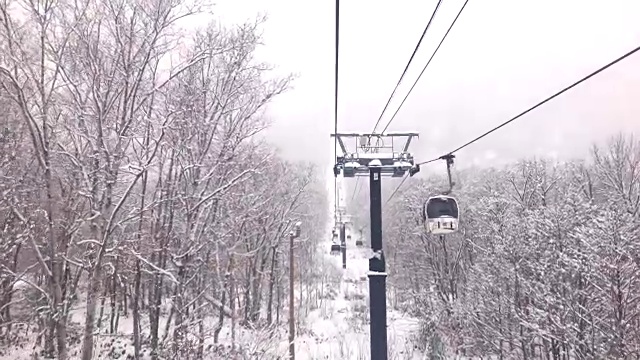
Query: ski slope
<point x="339" y="328"/>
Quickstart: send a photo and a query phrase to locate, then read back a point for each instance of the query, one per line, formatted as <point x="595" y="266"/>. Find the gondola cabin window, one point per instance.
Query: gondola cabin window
<point x="438" y="207"/>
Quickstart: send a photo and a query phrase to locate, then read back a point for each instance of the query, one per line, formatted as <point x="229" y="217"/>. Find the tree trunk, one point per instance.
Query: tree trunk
<point x="272" y="280"/>
<point x="92" y="300"/>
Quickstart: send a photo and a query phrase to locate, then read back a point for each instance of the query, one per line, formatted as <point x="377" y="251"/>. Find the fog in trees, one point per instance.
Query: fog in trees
<point x="145" y="213"/>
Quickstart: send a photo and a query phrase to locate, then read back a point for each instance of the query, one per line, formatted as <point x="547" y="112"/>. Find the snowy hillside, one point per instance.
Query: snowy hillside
<point x="339" y="329"/>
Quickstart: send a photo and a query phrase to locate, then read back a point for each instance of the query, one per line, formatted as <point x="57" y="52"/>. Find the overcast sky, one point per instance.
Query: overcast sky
<point x="501" y="57"/>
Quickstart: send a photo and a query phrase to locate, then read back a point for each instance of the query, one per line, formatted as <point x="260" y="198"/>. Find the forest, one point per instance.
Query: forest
<point x="546" y="264"/>
<point x="144" y="215"/>
<point x="138" y="196"/>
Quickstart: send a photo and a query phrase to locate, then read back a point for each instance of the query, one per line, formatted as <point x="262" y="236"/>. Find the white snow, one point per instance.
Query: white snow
<point x="336" y="327"/>
<point x="339" y="328"/>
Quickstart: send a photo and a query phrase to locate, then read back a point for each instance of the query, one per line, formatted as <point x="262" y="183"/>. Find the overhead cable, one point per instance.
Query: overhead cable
<point x="425" y="67"/>
<point x="335" y="109"/>
<point x="596" y="72"/>
<point x="573" y="85"/>
<point x="415" y="50"/>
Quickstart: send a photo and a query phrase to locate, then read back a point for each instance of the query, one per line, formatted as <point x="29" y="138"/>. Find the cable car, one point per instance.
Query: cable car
<point x="335" y="244"/>
<point x="335" y="249"/>
<point x="441" y="215"/>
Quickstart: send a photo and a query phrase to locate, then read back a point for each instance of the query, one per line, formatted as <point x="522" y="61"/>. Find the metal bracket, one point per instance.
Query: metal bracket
<point x="392" y="160"/>
<point x="449" y="159"/>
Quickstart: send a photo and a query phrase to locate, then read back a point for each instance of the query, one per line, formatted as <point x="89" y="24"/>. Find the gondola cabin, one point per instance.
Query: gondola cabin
<point x="441" y="215"/>
<point x="335" y="249"/>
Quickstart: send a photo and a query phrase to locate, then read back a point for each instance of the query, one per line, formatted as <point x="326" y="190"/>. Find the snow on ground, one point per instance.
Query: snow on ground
<point x="339" y="328"/>
<point x="336" y="329"/>
<point x="258" y="344"/>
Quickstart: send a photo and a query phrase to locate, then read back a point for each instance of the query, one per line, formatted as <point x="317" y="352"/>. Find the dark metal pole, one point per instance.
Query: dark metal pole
<point x="343" y="245"/>
<point x="377" y="272"/>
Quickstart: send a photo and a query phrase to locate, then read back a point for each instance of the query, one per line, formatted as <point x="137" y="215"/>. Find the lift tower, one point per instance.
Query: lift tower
<point x="376" y="155"/>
